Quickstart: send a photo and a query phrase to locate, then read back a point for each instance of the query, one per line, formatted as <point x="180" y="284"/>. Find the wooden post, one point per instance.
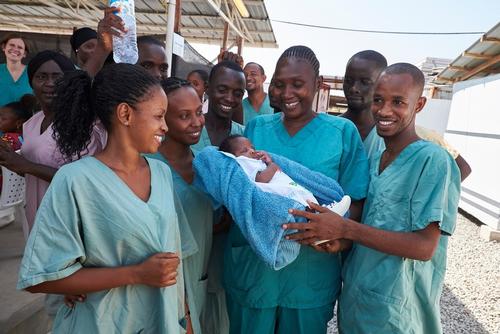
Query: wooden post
<point x="178" y="14"/>
<point x="239" y="43"/>
<point x="224" y="38"/>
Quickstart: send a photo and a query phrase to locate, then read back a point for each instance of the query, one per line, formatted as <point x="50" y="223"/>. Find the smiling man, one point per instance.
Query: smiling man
<point x="257" y="102"/>
<point x="226" y="87"/>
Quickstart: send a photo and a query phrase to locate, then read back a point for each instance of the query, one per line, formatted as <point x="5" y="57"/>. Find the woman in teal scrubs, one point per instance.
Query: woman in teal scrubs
<point x="14" y="81"/>
<point x="185" y="121"/>
<point x="393" y="276"/>
<point x="108" y="225"/>
<point x="300" y="297"/>
<point x="226" y="87"/>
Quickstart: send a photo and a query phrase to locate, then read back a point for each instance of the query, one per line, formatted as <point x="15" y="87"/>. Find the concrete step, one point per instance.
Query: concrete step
<point x="20" y="311"/>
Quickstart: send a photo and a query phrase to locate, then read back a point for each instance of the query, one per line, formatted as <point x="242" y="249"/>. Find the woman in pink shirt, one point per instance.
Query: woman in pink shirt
<point x="40" y="157"/>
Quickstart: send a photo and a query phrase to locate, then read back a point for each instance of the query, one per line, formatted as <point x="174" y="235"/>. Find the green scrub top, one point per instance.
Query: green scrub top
<point x="249" y="113"/>
<point x="12" y="90"/>
<point x="90" y="218"/>
<point x="330" y="145"/>
<point x="373" y="143"/>
<point x="388" y="294"/>
<point x="214" y="316"/>
<point x="236" y="129"/>
<point x="199" y="215"/>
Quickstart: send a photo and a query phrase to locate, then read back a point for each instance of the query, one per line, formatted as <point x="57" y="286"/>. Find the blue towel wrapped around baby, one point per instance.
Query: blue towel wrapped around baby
<point x="259" y="214"/>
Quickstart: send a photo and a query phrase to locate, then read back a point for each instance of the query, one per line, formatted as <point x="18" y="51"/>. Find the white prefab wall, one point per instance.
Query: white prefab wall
<point x="474" y="129"/>
<point x="435" y="114"/>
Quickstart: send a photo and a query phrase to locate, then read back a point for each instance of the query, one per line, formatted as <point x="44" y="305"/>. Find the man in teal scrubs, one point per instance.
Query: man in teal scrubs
<point x="393" y="276"/>
<point x="257" y="102"/>
<point x="361" y="73"/>
<point x="226" y="87"/>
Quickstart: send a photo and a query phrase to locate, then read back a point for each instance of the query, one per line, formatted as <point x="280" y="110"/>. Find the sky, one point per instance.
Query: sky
<point x="334" y="48"/>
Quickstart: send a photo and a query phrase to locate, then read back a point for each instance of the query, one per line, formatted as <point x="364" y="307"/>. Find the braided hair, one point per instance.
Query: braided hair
<point x="173" y="83"/>
<point x="80" y="101"/>
<point x="303" y="53"/>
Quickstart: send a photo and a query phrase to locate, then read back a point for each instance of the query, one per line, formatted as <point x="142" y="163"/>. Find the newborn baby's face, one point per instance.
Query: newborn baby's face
<point x="243" y="147"/>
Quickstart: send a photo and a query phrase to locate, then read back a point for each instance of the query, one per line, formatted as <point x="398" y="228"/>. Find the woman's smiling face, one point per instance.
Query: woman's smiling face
<point x="185" y="118"/>
<point x="14" y="49"/>
<point x="294" y="86"/>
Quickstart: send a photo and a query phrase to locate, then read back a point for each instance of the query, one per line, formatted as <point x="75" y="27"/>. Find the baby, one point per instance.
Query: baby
<point x="268" y="176"/>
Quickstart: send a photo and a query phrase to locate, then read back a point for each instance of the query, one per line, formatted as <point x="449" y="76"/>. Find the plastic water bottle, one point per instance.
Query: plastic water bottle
<point x="125" y="48"/>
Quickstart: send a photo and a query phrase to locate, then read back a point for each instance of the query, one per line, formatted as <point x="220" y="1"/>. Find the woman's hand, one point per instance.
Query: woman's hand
<point x="323" y="225"/>
<point x="160" y="270"/>
<point x="13" y="161"/>
<point x="70" y="300"/>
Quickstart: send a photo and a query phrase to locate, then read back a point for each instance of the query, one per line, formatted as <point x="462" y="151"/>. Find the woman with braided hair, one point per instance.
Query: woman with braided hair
<point x="108" y="227"/>
<point x="300" y="297"/>
<point x="185" y="122"/>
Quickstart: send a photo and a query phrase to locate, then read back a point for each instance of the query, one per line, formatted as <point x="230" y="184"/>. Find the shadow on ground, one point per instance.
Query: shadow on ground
<point x="456" y="317"/>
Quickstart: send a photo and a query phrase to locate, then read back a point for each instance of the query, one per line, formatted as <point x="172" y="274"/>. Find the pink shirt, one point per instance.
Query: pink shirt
<point x="42" y="149"/>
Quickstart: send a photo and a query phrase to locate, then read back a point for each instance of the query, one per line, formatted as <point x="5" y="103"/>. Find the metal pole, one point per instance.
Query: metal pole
<point x="169" y="38"/>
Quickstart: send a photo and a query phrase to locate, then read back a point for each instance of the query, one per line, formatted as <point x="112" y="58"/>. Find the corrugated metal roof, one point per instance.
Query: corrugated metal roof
<point x="481" y="59"/>
<point x="200" y="22"/>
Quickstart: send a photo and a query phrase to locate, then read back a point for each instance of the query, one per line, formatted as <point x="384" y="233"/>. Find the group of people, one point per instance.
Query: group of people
<point x="118" y="226"/>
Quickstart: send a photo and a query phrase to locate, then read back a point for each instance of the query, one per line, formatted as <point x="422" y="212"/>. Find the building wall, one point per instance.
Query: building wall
<point x="473" y="128"/>
<point x="435" y="114"/>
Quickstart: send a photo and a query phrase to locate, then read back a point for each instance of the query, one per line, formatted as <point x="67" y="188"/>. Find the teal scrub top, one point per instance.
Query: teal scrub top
<point x="249" y="113"/>
<point x="373" y="143"/>
<point x="12" y="90"/>
<point x="327" y="144"/>
<point x="199" y="214"/>
<point x="236" y="129"/>
<point x="214" y="315"/>
<point x="385" y="293"/>
<point x="90" y="218"/>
